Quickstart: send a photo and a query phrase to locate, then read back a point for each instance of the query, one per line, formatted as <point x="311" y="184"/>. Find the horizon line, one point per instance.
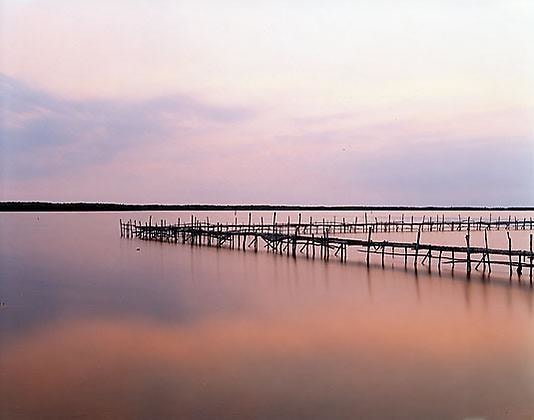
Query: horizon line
<point x="29" y="206"/>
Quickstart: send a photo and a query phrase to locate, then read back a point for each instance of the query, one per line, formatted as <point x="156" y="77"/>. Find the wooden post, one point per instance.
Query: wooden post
<point x="288" y="237"/>
<point x="417" y="248"/>
<point x="531" y="257"/>
<point x="368" y="245"/>
<point x="327" y="245"/>
<point x="468" y="253"/>
<point x="487" y="250"/>
<point x="510" y="253"/>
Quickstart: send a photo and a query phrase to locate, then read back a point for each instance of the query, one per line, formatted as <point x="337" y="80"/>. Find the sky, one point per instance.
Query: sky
<point x="378" y="102"/>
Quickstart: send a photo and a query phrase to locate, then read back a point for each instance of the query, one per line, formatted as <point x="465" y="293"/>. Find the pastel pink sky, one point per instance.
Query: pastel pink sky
<point x="298" y="102"/>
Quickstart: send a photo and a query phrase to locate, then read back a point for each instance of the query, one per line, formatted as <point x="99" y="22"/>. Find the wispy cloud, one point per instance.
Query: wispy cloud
<point x="43" y="134"/>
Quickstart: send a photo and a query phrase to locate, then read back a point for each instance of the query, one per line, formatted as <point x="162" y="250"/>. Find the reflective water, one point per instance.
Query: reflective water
<point x="92" y="328"/>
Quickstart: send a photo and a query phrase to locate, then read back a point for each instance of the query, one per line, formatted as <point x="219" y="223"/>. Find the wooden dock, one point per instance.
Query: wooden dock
<point x="315" y="240"/>
<point x="437" y="223"/>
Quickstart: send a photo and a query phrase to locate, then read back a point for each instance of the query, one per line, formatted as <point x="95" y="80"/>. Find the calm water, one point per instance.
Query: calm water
<point x="92" y="328"/>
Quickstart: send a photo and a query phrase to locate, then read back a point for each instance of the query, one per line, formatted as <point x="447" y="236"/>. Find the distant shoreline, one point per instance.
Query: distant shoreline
<point x="12" y="206"/>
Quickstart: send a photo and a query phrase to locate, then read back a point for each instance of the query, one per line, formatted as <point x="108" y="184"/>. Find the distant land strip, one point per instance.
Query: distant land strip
<point x="40" y="206"/>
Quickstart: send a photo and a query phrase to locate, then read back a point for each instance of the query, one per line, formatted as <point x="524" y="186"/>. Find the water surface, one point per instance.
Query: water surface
<point x="92" y="328"/>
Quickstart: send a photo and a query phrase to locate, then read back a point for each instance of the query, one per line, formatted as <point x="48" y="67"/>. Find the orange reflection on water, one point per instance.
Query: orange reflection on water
<point x="330" y="361"/>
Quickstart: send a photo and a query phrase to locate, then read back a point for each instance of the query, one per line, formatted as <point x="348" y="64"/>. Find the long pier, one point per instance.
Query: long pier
<point x="314" y="240"/>
<point x="438" y="223"/>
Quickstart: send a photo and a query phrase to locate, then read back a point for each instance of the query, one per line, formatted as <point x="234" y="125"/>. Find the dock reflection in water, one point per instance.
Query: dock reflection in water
<point x="92" y="327"/>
